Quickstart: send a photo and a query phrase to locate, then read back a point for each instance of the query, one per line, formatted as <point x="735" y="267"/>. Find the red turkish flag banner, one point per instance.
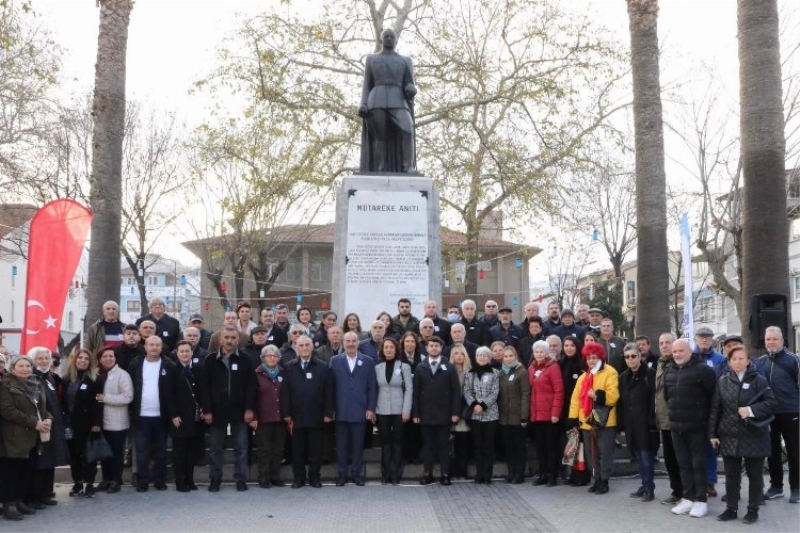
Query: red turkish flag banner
<point x="58" y="234"/>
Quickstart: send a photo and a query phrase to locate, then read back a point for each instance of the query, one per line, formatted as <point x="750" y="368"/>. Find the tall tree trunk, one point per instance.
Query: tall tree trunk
<point x="108" y="113"/>
<point x="652" y="302"/>
<point x="765" y="267"/>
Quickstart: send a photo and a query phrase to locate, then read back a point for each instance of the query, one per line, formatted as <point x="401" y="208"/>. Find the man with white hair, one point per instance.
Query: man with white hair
<point x="108" y="331"/>
<point x="459" y="334"/>
<point x="476" y="330"/>
<point x="371" y="346"/>
<point x="167" y="327"/>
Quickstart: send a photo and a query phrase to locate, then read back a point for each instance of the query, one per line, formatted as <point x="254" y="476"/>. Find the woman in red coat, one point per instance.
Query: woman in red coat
<point x="547" y="398"/>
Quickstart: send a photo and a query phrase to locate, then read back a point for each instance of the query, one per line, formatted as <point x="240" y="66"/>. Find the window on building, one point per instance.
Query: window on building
<point x="13" y="312"/>
<point x="71" y="321"/>
<point x="705" y="309"/>
<point x="318" y="271"/>
<point x="794" y="229"/>
<point x="796" y="288"/>
<point x="292" y="271"/>
<point x="133" y="306"/>
<point x="175" y="306"/>
<point x="152" y="280"/>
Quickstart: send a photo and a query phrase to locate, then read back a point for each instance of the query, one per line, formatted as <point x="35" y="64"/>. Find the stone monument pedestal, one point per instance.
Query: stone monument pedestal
<point x="387" y="245"/>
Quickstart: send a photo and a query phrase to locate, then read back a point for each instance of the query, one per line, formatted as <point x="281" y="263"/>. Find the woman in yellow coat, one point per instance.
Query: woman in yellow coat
<point x="597" y="389"/>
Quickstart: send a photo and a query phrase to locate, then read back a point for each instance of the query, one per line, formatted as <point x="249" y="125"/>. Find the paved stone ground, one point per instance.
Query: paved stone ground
<point x="379" y="509"/>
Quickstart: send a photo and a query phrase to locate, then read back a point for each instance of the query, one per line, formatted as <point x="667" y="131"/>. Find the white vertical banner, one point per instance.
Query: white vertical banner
<point x="686" y="259"/>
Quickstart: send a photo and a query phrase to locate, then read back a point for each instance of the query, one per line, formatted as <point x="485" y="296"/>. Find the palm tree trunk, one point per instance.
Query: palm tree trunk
<point x="765" y="263"/>
<point x="652" y="309"/>
<point x="108" y="113"/>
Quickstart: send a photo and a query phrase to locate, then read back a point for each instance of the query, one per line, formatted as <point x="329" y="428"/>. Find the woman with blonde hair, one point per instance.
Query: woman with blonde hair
<point x="85" y="417"/>
<point x="459" y="358"/>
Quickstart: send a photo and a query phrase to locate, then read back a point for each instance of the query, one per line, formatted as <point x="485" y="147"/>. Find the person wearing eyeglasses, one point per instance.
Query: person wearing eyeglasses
<point x="490" y="317"/>
<point x="636" y="414"/>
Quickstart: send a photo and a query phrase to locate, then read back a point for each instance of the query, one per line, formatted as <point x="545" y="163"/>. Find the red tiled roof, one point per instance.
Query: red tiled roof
<point x="13" y="216"/>
<point x="325" y="233"/>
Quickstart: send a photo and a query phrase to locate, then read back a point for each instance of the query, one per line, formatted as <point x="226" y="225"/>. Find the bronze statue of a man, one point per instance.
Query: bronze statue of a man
<point x="387" y="106"/>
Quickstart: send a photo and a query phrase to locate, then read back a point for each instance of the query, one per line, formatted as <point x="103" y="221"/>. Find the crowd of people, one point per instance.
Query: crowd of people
<point x="443" y="391"/>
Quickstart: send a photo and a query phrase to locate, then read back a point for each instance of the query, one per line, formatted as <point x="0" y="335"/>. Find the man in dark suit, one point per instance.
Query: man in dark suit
<point x="152" y="408"/>
<point x="437" y="405"/>
<point x="356" y="390"/>
<point x="306" y="406"/>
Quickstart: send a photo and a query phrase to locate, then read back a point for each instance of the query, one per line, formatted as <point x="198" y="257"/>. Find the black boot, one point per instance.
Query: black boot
<point x="594" y="486"/>
<point x="10" y="511"/>
<point x="602" y="487"/>
<point x="24" y="509"/>
<point x="77" y="488"/>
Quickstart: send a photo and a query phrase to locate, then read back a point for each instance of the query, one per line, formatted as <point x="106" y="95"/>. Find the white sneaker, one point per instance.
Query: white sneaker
<point x="699" y="509"/>
<point x="683" y="507"/>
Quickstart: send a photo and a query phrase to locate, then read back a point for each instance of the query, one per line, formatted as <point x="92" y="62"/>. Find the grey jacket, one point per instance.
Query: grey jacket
<point x="392" y="399"/>
<point x="483" y="391"/>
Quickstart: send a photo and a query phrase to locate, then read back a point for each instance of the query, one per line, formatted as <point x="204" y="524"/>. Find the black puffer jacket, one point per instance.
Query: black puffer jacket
<point x="688" y="390"/>
<point x="737" y="437"/>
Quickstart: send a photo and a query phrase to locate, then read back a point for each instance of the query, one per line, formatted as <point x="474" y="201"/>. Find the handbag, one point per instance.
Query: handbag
<point x="97" y="449"/>
<point x="571" y="449"/>
<point x="598" y="418"/>
<point x="758" y="423"/>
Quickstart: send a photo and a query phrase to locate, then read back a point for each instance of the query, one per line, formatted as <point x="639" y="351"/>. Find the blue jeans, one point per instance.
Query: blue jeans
<point x="646" y="459"/>
<point x="150" y="434"/>
<point x="239" y="432"/>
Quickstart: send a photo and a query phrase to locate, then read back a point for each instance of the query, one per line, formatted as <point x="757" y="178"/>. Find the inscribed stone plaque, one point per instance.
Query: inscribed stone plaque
<point x="387" y="251"/>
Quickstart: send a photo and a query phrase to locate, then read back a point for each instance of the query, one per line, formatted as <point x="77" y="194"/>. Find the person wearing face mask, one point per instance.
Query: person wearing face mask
<point x="453" y="314"/>
<point x="54" y="452"/>
<point x="597" y="386"/>
<point x="25" y="419"/>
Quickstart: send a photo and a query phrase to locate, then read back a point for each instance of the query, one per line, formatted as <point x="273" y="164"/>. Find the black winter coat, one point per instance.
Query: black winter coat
<point x="86" y="411"/>
<point x="436" y="397"/>
<point x="636" y="410"/>
<point x="688" y="390"/>
<point x="227" y="394"/>
<point x="737" y="437"/>
<point x="307" y="400"/>
<point x="571" y="370"/>
<point x="187" y="401"/>
<point x="166" y="388"/>
<point x="53" y="453"/>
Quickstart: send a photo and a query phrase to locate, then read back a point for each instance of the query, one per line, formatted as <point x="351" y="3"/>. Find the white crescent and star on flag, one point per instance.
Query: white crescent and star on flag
<point x="50" y="321"/>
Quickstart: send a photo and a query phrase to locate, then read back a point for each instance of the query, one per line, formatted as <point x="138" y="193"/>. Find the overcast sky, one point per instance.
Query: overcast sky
<point x="172" y="43"/>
